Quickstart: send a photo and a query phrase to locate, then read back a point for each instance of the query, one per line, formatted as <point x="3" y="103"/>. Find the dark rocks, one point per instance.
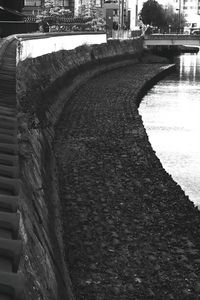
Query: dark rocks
<point x="140" y="231"/>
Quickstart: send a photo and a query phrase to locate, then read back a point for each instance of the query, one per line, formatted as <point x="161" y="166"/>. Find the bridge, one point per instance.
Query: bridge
<point x="171" y="40"/>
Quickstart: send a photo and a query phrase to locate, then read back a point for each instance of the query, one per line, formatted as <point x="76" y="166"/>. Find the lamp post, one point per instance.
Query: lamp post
<point x="136" y="13"/>
<point x="119" y="15"/>
<point x="179" y="16"/>
<point x="122" y="15"/>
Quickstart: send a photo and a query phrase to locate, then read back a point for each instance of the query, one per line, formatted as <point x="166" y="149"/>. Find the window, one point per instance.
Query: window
<point x="32" y="2"/>
<point x="98" y="3"/>
<point x="64" y="3"/>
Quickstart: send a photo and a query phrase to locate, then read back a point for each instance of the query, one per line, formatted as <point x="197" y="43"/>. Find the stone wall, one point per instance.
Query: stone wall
<point x="44" y="85"/>
<point x="40" y="78"/>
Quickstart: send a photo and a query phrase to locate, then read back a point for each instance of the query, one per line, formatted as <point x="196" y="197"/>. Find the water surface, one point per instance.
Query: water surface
<point x="171" y="116"/>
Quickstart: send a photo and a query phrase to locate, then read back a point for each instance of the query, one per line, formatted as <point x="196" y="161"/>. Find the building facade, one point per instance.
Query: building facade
<point x="33" y="7"/>
<point x="190" y="9"/>
<point x="134" y="8"/>
<point x="116" y="14"/>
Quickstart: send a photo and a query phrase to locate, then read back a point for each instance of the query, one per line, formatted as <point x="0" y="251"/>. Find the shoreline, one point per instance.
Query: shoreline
<point x="130" y="232"/>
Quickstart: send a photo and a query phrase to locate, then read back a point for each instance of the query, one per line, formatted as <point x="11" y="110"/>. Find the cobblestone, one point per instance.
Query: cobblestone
<point x="129" y="230"/>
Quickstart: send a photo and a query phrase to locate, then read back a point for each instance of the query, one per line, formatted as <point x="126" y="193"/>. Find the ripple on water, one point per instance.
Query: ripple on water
<point x="170" y="112"/>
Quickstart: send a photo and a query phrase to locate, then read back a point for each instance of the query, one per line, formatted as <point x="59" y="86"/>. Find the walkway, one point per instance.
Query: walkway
<point x="129" y="230"/>
<point x="10" y="247"/>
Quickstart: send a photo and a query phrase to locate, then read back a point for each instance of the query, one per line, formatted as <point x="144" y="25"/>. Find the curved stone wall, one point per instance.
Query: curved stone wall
<point x="44" y="85"/>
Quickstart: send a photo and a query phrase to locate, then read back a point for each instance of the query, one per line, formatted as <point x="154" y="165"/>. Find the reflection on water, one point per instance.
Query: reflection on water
<point x="170" y="112"/>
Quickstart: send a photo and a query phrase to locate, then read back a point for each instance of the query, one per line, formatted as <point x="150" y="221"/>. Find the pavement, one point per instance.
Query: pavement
<point x="130" y="232"/>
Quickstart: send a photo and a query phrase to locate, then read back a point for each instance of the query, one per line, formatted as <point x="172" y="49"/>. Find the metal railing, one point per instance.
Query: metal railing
<point x="121" y="34"/>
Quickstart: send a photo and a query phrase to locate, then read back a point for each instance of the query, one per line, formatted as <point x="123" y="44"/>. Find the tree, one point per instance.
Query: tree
<point x="173" y="18"/>
<point x="90" y="10"/>
<point x="53" y="9"/>
<point x="153" y="13"/>
<point x="93" y="14"/>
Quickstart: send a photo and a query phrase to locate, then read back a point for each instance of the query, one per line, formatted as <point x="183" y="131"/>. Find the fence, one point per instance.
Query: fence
<point x="11" y="27"/>
<point x="122" y="34"/>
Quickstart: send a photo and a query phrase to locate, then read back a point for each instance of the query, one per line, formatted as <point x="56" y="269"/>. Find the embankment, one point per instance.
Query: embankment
<point x="129" y="230"/>
<point x="44" y="86"/>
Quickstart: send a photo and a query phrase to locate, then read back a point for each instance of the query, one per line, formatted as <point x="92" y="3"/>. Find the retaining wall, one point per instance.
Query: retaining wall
<point x="44" y="85"/>
<point x="38" y="44"/>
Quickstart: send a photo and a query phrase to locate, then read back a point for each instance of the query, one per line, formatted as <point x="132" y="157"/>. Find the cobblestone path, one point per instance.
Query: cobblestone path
<point x="129" y="230"/>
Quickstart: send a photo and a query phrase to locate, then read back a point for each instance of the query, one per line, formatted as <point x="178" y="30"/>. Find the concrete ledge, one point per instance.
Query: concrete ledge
<point x="35" y="45"/>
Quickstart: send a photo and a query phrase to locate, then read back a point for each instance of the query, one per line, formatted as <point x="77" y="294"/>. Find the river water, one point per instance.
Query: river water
<point x="171" y="116"/>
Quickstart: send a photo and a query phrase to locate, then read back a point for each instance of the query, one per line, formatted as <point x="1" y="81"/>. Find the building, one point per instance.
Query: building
<point x="67" y="4"/>
<point x="33" y="7"/>
<point x="88" y="4"/>
<point x="189" y="8"/>
<point x="134" y="8"/>
<point x="116" y="14"/>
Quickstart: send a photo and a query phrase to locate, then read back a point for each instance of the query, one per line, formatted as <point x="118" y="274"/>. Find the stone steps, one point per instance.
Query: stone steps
<point x="11" y="281"/>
